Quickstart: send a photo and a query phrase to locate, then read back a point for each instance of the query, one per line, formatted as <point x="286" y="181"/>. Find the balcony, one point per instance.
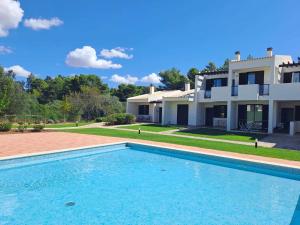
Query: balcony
<point x="264" y="89"/>
<point x="234" y="90"/>
<point x="250" y="91"/>
<point x="207" y="94"/>
<point x="285" y="91"/>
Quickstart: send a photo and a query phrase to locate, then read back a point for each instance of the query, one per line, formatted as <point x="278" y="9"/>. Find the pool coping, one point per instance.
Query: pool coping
<point x="200" y="152"/>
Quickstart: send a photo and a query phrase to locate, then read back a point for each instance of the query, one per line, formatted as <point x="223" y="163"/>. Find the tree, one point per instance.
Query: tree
<point x="191" y="76"/>
<point x="65" y="107"/>
<point x="210" y="67"/>
<point x="125" y="91"/>
<point x="225" y="65"/>
<point x="172" y="79"/>
<point x="6" y="88"/>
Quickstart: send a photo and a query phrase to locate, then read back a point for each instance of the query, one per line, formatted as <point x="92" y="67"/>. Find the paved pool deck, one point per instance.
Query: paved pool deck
<point x="15" y="145"/>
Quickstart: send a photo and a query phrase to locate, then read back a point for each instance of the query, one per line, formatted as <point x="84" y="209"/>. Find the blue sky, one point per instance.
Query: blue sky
<point x="154" y="35"/>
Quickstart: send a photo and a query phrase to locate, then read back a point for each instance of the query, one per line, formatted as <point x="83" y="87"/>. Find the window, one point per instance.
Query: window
<point x="217" y="82"/>
<point x="251" y="78"/>
<point x="297" y="113"/>
<point x="143" y="109"/>
<point x="220" y="111"/>
<point x="287" y="78"/>
<point x="296" y="77"/>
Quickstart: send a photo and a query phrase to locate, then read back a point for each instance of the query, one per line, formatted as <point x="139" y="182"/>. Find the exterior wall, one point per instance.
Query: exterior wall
<point x="280" y="95"/>
<point x="170" y="112"/>
<point x="285" y="91"/>
<point x="133" y="108"/>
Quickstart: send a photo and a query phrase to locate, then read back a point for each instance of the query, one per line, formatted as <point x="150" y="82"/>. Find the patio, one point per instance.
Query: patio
<point x="40" y="143"/>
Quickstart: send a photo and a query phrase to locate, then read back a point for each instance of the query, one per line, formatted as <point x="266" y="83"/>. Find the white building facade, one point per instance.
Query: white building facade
<point x="256" y="94"/>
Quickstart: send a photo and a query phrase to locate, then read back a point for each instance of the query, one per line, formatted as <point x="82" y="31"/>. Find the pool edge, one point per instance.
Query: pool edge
<point x="200" y="152"/>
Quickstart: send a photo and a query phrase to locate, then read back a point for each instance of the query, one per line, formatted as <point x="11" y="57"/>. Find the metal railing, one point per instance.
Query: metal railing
<point x="234" y="90"/>
<point x="264" y="89"/>
<point x="207" y="94"/>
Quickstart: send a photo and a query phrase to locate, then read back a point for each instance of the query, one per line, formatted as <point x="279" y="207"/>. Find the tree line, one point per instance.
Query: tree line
<point x="83" y="96"/>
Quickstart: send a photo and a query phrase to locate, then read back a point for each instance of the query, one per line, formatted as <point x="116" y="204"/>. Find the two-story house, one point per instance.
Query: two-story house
<point x="255" y="94"/>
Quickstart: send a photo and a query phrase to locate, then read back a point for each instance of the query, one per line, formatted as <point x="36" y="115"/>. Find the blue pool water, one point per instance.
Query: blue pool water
<point x="134" y="184"/>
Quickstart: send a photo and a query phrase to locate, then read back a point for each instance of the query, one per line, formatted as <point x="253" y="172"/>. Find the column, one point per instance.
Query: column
<point x="229" y="115"/>
<point x="270" y="118"/>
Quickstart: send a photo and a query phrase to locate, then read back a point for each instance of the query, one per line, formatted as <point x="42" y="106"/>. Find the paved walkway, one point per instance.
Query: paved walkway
<point x="284" y="141"/>
<point x="29" y="143"/>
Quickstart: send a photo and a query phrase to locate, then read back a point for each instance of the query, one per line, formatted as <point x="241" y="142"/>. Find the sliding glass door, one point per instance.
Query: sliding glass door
<point x="253" y="117"/>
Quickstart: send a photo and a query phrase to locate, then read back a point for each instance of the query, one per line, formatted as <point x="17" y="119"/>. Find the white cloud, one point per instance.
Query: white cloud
<point x="123" y="79"/>
<point x="86" y="57"/>
<point x="11" y="15"/>
<point x="152" y="78"/>
<point x="115" y="53"/>
<point x="42" y="24"/>
<point x="18" y="70"/>
<point x="5" y="50"/>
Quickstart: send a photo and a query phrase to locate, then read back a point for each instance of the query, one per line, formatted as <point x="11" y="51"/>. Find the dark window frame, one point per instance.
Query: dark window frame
<point x="143" y="110"/>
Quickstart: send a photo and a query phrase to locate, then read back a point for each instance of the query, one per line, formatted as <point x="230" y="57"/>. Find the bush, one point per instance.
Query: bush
<point x="5" y="125"/>
<point x="22" y="127"/>
<point x="37" y="127"/>
<point x="99" y="119"/>
<point x="50" y="121"/>
<point x="120" y="118"/>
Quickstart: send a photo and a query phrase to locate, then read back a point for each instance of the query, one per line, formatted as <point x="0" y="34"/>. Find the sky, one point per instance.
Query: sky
<point x="132" y="41"/>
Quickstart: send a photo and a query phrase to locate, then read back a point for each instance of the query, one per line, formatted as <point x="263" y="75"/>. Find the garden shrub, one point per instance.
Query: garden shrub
<point x="99" y="119"/>
<point x="50" y="121"/>
<point x="120" y="118"/>
<point x="22" y="127"/>
<point x="5" y="125"/>
<point x="37" y="127"/>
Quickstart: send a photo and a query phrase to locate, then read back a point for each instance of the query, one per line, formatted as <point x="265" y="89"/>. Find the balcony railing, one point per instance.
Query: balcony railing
<point x="234" y="91"/>
<point x="207" y="94"/>
<point x="264" y="89"/>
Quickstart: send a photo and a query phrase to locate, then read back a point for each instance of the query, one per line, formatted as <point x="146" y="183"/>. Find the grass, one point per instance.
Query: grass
<point x="57" y="125"/>
<point x="150" y="127"/>
<point x="245" y="149"/>
<point x="221" y="134"/>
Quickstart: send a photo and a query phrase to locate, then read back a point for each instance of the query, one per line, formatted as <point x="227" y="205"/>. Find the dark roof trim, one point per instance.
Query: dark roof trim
<point x="290" y="64"/>
<point x="213" y="72"/>
<point x="155" y="102"/>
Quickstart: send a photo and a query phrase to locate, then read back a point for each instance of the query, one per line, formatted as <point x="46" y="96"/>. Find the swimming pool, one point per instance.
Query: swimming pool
<point x="138" y="184"/>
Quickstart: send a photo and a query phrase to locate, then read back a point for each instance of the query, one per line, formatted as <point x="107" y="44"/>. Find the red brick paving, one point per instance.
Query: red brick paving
<point x="28" y="143"/>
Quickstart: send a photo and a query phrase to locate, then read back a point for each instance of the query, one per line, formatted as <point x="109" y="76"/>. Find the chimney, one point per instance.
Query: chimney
<point x="269" y="52"/>
<point x="237" y="56"/>
<point x="151" y="89"/>
<point x="187" y="86"/>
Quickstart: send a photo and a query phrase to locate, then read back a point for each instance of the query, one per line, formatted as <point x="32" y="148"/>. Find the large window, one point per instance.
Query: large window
<point x="253" y="117"/>
<point x="143" y="109"/>
<point x="217" y="82"/>
<point x="256" y="77"/>
<point x="296" y="77"/>
<point x="220" y="111"/>
<point x="251" y="78"/>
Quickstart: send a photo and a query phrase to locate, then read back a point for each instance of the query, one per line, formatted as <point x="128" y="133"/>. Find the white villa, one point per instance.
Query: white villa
<point x="257" y="94"/>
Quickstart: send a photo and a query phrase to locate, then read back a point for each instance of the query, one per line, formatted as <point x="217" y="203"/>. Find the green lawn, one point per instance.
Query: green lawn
<point x="221" y="134"/>
<point x="260" y="151"/>
<point x="150" y="127"/>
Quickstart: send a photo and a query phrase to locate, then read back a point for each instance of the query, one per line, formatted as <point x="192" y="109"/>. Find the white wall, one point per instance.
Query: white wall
<point x="133" y="108"/>
<point x="287" y="91"/>
<point x="170" y="112"/>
